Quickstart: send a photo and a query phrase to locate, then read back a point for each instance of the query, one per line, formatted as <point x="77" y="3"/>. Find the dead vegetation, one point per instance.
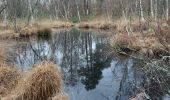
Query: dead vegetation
<point x="9" y="78"/>
<point x="96" y="25"/>
<point x="60" y="97"/>
<point x="44" y="82"/>
<point x="24" y="30"/>
<point x="34" y="30"/>
<point x="2" y="53"/>
<point x="143" y="37"/>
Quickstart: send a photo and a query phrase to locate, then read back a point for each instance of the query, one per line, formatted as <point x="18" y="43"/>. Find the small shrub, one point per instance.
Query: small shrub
<point x="75" y="19"/>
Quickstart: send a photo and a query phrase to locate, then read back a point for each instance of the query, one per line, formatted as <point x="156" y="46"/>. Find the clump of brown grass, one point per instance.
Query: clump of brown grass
<point x="7" y="34"/>
<point x="56" y="24"/>
<point x="125" y="43"/>
<point x="134" y="24"/>
<point x="43" y="82"/>
<point x="121" y="40"/>
<point x="145" y="44"/>
<point x="165" y="33"/>
<point x="34" y="30"/>
<point x="9" y="78"/>
<point x="43" y="26"/>
<point x="97" y="24"/>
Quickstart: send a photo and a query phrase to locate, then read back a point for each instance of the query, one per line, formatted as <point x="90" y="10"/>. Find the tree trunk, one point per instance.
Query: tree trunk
<point x="78" y="12"/>
<point x="156" y="9"/>
<point x="151" y="8"/>
<point x="141" y="10"/>
<point x="5" y="18"/>
<point x="30" y="16"/>
<point x="167" y="9"/>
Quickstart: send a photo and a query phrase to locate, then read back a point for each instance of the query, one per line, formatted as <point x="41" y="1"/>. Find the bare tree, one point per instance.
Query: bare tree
<point x="167" y="9"/>
<point x="141" y="10"/>
<point x="66" y="9"/>
<point x="151" y="7"/>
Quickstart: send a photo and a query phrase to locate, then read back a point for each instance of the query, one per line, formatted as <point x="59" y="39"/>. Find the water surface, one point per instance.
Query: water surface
<point x="90" y="70"/>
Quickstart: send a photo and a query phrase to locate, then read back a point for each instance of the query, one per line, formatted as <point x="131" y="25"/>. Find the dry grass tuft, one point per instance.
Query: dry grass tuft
<point x="97" y="24"/>
<point x="43" y="26"/>
<point x="146" y="44"/>
<point x="56" y="24"/>
<point x="143" y="37"/>
<point x="165" y="33"/>
<point x="43" y="82"/>
<point x="121" y="40"/>
<point x="120" y="24"/>
<point x="134" y="25"/>
<point x="59" y="97"/>
<point x="3" y="53"/>
<point x="9" y="78"/>
<point x="34" y="30"/>
<point x="7" y="34"/>
<point x="125" y="43"/>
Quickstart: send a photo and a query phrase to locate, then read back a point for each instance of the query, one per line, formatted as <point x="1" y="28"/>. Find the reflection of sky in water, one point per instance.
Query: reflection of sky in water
<point x="89" y="72"/>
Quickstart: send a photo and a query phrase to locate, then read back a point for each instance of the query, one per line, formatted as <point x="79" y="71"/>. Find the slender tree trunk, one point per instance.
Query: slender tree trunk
<point x="78" y="12"/>
<point x="167" y="9"/>
<point x="56" y="12"/>
<point x="141" y="10"/>
<point x="5" y="18"/>
<point x="30" y="16"/>
<point x="4" y="2"/>
<point x="66" y="16"/>
<point x="156" y="9"/>
<point x="136" y="7"/>
<point x="151" y="8"/>
<point x="86" y="7"/>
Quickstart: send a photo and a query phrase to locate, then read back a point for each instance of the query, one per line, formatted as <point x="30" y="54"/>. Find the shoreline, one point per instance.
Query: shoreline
<point x="132" y="36"/>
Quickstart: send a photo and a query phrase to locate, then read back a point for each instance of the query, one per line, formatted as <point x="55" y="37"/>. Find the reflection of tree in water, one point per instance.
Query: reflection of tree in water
<point x="124" y="86"/>
<point x="70" y="60"/>
<point x="128" y="76"/>
<point x="93" y="73"/>
<point x="81" y="55"/>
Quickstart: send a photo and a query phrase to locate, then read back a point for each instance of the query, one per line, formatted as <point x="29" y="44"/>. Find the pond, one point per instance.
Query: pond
<point x="90" y="70"/>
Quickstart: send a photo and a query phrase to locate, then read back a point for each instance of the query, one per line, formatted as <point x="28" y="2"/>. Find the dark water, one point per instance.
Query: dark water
<point x="90" y="70"/>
